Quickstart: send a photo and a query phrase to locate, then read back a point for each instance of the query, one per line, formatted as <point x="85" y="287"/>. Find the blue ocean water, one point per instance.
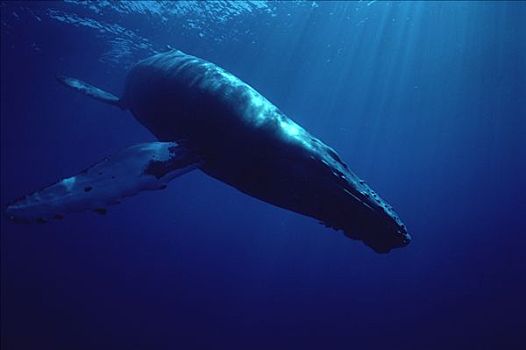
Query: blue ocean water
<point x="424" y="100"/>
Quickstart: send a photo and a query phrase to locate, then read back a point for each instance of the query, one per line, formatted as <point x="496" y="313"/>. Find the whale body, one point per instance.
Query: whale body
<point x="206" y="118"/>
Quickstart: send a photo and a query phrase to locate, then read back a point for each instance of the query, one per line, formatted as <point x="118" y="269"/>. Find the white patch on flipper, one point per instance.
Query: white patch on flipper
<point x="69" y="183"/>
<point x="142" y="167"/>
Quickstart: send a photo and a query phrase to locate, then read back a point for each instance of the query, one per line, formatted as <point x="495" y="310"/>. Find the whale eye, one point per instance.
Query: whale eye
<point x="88" y="188"/>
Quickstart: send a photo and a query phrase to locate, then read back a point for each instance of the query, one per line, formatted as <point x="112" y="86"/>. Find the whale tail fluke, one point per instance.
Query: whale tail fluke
<point x="90" y="90"/>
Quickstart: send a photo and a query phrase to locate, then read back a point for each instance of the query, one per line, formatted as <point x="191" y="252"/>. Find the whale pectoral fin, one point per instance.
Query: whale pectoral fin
<point x="143" y="167"/>
<point x="90" y="90"/>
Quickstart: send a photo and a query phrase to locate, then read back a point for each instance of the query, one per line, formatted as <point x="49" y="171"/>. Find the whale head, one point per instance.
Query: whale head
<point x="375" y="222"/>
<point x="386" y="234"/>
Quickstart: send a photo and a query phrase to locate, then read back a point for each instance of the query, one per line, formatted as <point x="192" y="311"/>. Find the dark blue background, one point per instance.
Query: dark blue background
<point x="425" y="101"/>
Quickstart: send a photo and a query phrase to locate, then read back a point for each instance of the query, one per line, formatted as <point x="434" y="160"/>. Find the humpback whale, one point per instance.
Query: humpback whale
<point x="206" y="118"/>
